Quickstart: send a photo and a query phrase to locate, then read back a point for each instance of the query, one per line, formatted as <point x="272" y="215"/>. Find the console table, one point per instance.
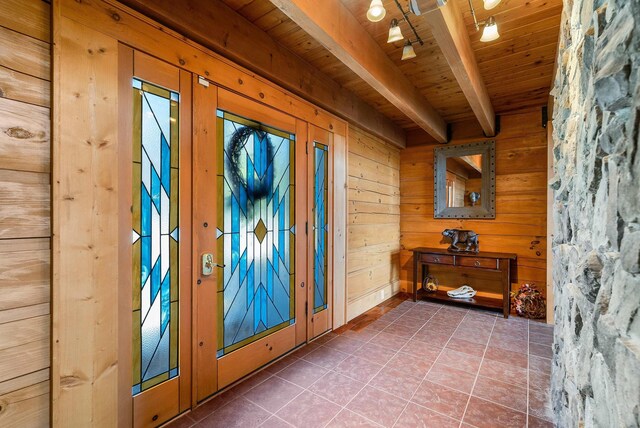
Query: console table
<point x="497" y="267"/>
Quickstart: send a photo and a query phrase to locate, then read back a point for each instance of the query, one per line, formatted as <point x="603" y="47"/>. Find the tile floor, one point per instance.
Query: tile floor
<point x="403" y="364"/>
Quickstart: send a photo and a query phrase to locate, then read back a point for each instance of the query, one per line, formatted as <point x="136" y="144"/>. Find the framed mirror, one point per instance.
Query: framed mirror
<point x="465" y="181"/>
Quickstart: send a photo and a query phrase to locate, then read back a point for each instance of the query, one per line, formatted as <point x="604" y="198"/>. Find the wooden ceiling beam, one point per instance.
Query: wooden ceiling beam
<point x="450" y="32"/>
<point x="218" y="27"/>
<point x="333" y="25"/>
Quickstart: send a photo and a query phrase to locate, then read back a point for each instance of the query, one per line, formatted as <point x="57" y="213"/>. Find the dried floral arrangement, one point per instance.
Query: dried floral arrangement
<point x="529" y="302"/>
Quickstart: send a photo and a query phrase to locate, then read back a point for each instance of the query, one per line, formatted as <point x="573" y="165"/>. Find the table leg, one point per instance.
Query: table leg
<point x="415" y="277"/>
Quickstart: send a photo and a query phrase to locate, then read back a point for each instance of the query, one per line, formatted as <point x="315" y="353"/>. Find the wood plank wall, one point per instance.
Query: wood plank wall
<point x="25" y="234"/>
<point x="521" y="197"/>
<point x="373" y="243"/>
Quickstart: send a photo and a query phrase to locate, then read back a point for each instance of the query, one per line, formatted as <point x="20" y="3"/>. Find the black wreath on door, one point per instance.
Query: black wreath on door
<point x="262" y="186"/>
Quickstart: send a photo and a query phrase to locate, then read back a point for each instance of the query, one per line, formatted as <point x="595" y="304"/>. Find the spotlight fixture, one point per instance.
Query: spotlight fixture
<point x="407" y="51"/>
<point x="490" y="27"/>
<point x="490" y="4"/>
<point x="395" y="34"/>
<point x="376" y="11"/>
<point x="490" y="30"/>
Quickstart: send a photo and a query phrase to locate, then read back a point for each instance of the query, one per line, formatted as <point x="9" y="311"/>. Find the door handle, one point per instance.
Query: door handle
<point x="208" y="264"/>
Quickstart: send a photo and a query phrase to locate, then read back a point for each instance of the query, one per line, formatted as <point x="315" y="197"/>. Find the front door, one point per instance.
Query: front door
<point x="250" y="235"/>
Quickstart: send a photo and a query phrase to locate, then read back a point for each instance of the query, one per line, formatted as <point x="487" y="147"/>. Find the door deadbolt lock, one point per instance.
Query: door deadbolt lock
<point x="208" y="264"/>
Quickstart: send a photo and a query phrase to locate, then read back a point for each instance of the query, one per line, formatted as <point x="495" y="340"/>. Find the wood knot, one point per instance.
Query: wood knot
<point x="20" y="133"/>
<point x="331" y="127"/>
<point x="240" y="81"/>
<point x="206" y="73"/>
<point x="182" y="62"/>
<point x="1" y="93"/>
<point x="261" y="95"/>
<point x="115" y="16"/>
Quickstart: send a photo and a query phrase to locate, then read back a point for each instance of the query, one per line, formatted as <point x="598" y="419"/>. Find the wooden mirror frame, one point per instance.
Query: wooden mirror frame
<point x="487" y="207"/>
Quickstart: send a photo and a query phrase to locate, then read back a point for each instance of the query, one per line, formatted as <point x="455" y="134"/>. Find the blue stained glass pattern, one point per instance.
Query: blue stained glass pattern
<point x="320" y="226"/>
<point x="255" y="236"/>
<point x="155" y="235"/>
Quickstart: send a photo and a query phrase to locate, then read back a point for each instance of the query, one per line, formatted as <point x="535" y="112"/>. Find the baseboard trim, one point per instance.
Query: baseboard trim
<point x="364" y="303"/>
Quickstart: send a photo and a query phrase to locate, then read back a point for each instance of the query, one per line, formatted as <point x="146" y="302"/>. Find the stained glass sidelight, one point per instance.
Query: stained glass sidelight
<point x="320" y="225"/>
<point x="256" y="232"/>
<point x="155" y="235"/>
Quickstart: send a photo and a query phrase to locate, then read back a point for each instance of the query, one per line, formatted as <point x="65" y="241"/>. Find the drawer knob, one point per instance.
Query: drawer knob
<point x="477" y="263"/>
<point x="436" y="259"/>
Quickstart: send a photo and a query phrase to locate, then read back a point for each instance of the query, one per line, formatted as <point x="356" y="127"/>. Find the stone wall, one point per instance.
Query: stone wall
<point x="596" y="245"/>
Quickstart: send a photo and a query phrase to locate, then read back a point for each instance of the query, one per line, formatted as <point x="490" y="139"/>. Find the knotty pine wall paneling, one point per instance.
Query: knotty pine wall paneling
<point x="373" y="243"/>
<point x="25" y="207"/>
<point x="521" y="197"/>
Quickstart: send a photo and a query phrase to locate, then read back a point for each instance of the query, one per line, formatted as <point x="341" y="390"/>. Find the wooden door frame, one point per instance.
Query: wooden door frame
<point x="103" y="24"/>
<point x="326" y="319"/>
<point x="137" y="64"/>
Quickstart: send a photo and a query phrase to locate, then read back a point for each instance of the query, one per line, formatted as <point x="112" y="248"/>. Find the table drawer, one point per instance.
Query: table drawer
<point x="437" y="259"/>
<point x="478" y="262"/>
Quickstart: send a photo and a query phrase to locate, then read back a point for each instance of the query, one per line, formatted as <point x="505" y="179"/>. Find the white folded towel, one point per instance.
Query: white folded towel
<point x="464" y="292"/>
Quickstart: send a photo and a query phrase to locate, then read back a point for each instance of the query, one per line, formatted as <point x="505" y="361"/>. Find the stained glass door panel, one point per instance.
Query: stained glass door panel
<point x="256" y="231"/>
<point x="320" y="242"/>
<point x="320" y="225"/>
<point x="155" y="235"/>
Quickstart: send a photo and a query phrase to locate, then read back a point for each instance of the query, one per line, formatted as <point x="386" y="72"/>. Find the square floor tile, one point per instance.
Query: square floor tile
<point x="281" y="365"/>
<point x="397" y="382"/>
<point x="400" y="330"/>
<point x="541" y="338"/>
<point x="416" y="416"/>
<point x="363" y="335"/>
<point x="504" y="372"/>
<point x="348" y="419"/>
<point x="251" y="382"/>
<point x="275" y="422"/>
<point x="540" y="350"/>
<point x="375" y="353"/>
<point x="475" y="336"/>
<point x="345" y="344"/>
<point x="358" y="368"/>
<point x="453" y="378"/>
<point x="421" y="349"/>
<point x="273" y="394"/>
<point x="306" y="349"/>
<point x="378" y="406"/>
<point x="459" y="360"/>
<point x="325" y="357"/>
<point x="309" y="411"/>
<point x="337" y="388"/>
<point x="466" y="347"/>
<point x="302" y="373"/>
<point x="409" y="321"/>
<point x="540" y="364"/>
<point x="539" y="423"/>
<point x="484" y="414"/>
<point x="416" y="364"/>
<point x="239" y="413"/>
<point x="504" y="393"/>
<point x="540" y="404"/>
<point x="441" y="399"/>
<point x="539" y="380"/>
<point x="389" y="340"/>
<point x="213" y="404"/>
<point x="507" y="357"/>
<point x="325" y="338"/>
<point x="434" y="338"/>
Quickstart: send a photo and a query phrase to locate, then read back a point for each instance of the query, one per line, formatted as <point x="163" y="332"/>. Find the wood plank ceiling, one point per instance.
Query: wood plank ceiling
<point x="517" y="68"/>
